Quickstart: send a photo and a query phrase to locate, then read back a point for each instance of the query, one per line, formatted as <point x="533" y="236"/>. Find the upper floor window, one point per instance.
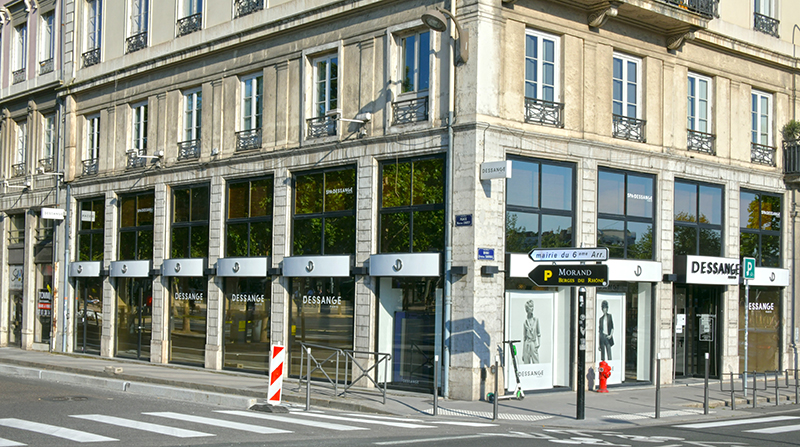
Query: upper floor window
<point x="539" y="205"/>
<point x="139" y="22"/>
<point x="412" y="205"/>
<point x="46" y="43"/>
<point x="698" y="219"/>
<point x="191" y="17"/>
<point x="760" y="227"/>
<point x="136" y="226"/>
<point x="326" y="84"/>
<point x="46" y="163"/>
<point x="245" y="7"/>
<point x="249" y="224"/>
<point x="93" y="22"/>
<point x="90" y="230"/>
<point x="324" y="220"/>
<point x="416" y="62"/>
<point x="189" y="147"/>
<point x="764" y="17"/>
<point x="625" y="209"/>
<point x="252" y="106"/>
<point x="20" y="51"/>
<point x="762" y="149"/>
<point x="699" y="114"/>
<point x="626" y="98"/>
<point x="542" y="91"/>
<point x="139" y="127"/>
<point x="92" y="154"/>
<point x="189" y="238"/>
<point x="20" y="154"/>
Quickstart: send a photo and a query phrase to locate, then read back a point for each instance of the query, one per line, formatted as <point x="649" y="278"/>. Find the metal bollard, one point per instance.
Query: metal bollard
<point x="308" y="379"/>
<point x="733" y="396"/>
<point x="796" y="384"/>
<point x="496" y="380"/>
<point x="658" y="385"/>
<point x="705" y="390"/>
<point x="435" y="384"/>
<point x="777" y="396"/>
<point x="755" y="398"/>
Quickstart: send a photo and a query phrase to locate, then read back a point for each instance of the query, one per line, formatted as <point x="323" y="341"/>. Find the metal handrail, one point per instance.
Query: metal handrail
<point x="365" y="372"/>
<point x="776" y="384"/>
<point x="319" y="365"/>
<point x="347" y="356"/>
<point x="733" y="389"/>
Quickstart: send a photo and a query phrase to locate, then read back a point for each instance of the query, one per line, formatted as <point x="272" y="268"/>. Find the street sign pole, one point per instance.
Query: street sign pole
<point x="581" y="404"/>
<point x="749" y="273"/>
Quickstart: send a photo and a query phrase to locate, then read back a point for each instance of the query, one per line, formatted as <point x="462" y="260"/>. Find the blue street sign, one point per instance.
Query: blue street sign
<point x="486" y="254"/>
<point x="464" y="220"/>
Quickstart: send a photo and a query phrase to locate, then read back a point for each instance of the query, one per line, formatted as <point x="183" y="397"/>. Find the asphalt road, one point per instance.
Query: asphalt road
<point x="39" y="413"/>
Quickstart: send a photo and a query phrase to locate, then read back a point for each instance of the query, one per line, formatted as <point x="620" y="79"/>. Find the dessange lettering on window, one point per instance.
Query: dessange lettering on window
<point x="327" y="300"/>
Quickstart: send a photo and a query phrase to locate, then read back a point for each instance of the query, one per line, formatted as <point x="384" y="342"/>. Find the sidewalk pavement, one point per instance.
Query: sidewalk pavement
<point x="623" y="406"/>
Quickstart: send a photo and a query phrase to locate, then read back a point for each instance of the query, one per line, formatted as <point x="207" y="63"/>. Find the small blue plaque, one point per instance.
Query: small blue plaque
<point x="463" y="220"/>
<point x="486" y="254"/>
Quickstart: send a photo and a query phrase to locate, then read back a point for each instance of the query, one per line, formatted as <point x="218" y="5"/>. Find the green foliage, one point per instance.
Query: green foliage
<point x="791" y="131"/>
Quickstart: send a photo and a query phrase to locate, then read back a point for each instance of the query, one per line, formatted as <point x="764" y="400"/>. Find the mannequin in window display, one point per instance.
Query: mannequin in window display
<point x="531" y="336"/>
<point x="606" y="332"/>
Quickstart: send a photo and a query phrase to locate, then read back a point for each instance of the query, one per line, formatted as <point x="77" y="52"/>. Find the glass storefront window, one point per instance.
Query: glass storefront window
<point x="136" y="226"/>
<point x="134" y="317"/>
<point x="190" y="222"/>
<point x="88" y="315"/>
<point x="249" y="224"/>
<point x="760" y="232"/>
<point x="412" y="206"/>
<point x="187" y="319"/>
<point x="44" y="303"/>
<point x="90" y="230"/>
<point x="625" y="214"/>
<point x="535" y="219"/>
<point x="324" y="220"/>
<point x="623" y="320"/>
<point x="697" y="235"/>
<point x="246" y="327"/>
<point x="763" y="335"/>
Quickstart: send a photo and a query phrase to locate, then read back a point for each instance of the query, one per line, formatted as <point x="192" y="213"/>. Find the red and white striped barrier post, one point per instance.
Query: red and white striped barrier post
<point x="276" y="359"/>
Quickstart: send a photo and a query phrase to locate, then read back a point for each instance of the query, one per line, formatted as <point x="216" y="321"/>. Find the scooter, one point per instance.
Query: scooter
<point x="518" y="393"/>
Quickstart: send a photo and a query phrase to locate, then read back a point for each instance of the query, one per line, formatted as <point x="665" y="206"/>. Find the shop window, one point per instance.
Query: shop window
<point x="625" y="209"/>
<point x="623" y="320"/>
<point x="760" y="227"/>
<point x="247" y="324"/>
<point x="189" y="237"/>
<point x="412" y="206"/>
<point x="698" y="219"/>
<point x="187" y="319"/>
<point x="249" y="221"/>
<point x="91" y="223"/>
<point x="764" y="328"/>
<point x="136" y="226"/>
<point x="537" y="218"/>
<point x="324" y="220"/>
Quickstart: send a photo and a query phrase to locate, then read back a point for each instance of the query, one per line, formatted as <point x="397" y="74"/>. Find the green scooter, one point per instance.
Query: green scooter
<point x="518" y="393"/>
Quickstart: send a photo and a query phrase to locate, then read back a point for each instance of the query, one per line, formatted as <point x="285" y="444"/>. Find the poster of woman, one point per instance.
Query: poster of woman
<point x="529" y="319"/>
<point x="610" y="326"/>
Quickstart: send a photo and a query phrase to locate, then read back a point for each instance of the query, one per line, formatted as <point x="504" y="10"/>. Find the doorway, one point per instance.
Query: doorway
<point x="696" y="317"/>
<point x="89" y="312"/>
<point x="134" y="318"/>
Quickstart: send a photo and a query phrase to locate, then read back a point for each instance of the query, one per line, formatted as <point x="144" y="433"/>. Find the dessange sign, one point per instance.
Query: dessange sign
<point x="707" y="270"/>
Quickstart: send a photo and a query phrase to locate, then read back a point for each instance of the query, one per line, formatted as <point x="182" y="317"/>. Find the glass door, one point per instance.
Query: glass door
<point x="15" y="319"/>
<point x="89" y="315"/>
<point x="134" y="318"/>
<point x="697" y="312"/>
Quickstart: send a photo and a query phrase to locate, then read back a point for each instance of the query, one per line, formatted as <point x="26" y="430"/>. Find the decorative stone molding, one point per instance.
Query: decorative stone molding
<point x="599" y="18"/>
<point x="676" y="41"/>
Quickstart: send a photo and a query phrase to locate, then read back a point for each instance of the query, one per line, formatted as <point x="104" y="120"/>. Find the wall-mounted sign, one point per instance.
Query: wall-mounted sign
<point x="570" y="275"/>
<point x="464" y="220"/>
<point x="496" y="169"/>
<point x="486" y="254"/>
<point x="707" y="270"/>
<point x="53" y="213"/>
<point x="87" y="216"/>
<point x="15" y="273"/>
<point x="569" y="254"/>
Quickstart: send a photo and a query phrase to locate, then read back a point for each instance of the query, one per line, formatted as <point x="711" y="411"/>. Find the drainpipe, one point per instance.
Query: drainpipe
<point x="794" y="212"/>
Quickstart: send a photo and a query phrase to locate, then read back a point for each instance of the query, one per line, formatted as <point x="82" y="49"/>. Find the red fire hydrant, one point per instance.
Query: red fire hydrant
<point x="605" y="373"/>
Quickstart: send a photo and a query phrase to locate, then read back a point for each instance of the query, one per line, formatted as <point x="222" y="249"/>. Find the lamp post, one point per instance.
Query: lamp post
<point x="436" y="20"/>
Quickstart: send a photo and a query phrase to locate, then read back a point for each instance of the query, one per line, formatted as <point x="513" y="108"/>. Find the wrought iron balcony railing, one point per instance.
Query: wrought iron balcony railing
<point x="791" y="157"/>
<point x="245" y="7"/>
<point x="18" y="75"/>
<point x="706" y="8"/>
<point x="136" y="42"/>
<point x="539" y="111"/>
<point x="134" y="159"/>
<point x="410" y="111"/>
<point x="190" y="24"/>
<point x="321" y="126"/>
<point x="18" y="170"/>
<point x="47" y="164"/>
<point x="762" y="154"/>
<point x="765" y="24"/>
<point x="628" y="128"/>
<point x="701" y="142"/>
<point x="248" y="139"/>
<point x="46" y="66"/>
<point x="189" y="149"/>
<point x="91" y="57"/>
<point x="91" y="166"/>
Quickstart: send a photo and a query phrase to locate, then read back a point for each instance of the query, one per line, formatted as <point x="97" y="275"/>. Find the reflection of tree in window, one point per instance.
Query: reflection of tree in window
<point x="190" y="222"/>
<point x="692" y="235"/>
<point x="760" y="222"/>
<point x="136" y="226"/>
<point x="90" y="230"/>
<point x="324" y="212"/>
<point x="249" y="225"/>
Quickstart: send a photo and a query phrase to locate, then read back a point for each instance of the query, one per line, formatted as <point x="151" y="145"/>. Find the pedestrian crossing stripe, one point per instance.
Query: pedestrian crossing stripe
<point x="9" y="443"/>
<point x="52" y="430"/>
<point x="288" y="420"/>
<point x="774" y="430"/>
<point x="460" y="423"/>
<point x="367" y="421"/>
<point x="731" y="423"/>
<point x="144" y="426"/>
<point x="218" y="423"/>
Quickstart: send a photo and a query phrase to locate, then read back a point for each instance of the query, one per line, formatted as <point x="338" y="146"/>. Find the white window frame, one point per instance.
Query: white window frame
<point x="761" y="118"/>
<point x="192" y="7"/>
<point x="700" y="103"/>
<point x="93" y="25"/>
<point x="20" y="47"/>
<point x="139" y="126"/>
<point x="92" y="137"/>
<point x="418" y="59"/>
<point x="47" y="37"/>
<point x="192" y="114"/>
<point x="626" y="100"/>
<point x="765" y="8"/>
<point x="325" y="83"/>
<point x="49" y="136"/>
<point x="252" y="116"/>
<point x="540" y="63"/>
<point x="21" y="152"/>
<point x="140" y="15"/>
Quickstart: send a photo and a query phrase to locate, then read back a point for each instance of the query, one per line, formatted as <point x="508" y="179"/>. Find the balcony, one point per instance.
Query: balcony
<point x="135" y="160"/>
<point x="248" y="139"/>
<point x="136" y="42"/>
<point x="91" y="166"/>
<point x="18" y="75"/>
<point x="672" y="18"/>
<point x="321" y="126"/>
<point x="91" y="57"/>
<point x="245" y="7"/>
<point x="46" y="66"/>
<point x="18" y="170"/>
<point x="765" y="24"/>
<point x="539" y="111"/>
<point x="628" y="128"/>
<point x="762" y="154"/>
<point x="791" y="159"/>
<point x="46" y="164"/>
<point x="701" y="142"/>
<point x="190" y="24"/>
<point x="188" y="150"/>
<point x="410" y="111"/>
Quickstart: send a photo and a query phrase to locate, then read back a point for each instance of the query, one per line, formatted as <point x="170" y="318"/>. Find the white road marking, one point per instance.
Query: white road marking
<point x="367" y="421"/>
<point x="52" y="430"/>
<point x="269" y="417"/>
<point x="403" y="420"/>
<point x="144" y="426"/>
<point x="218" y="423"/>
<point x="9" y="443"/>
<point x="466" y="424"/>
<point x="738" y="422"/>
<point x="773" y="430"/>
<point x="386" y="418"/>
<point x="417" y="440"/>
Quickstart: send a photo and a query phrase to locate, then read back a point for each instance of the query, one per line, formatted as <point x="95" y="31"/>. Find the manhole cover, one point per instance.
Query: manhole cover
<point x="69" y="398"/>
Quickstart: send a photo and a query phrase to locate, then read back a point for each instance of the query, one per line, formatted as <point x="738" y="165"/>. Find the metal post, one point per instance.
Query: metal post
<point x="658" y="385"/>
<point x="754" y="390"/>
<point x="796" y="384"/>
<point x="308" y="379"/>
<point x="496" y="386"/>
<point x="733" y="396"/>
<point x="581" y="404"/>
<point x="746" y="327"/>
<point x="436" y="384"/>
<point x="705" y="388"/>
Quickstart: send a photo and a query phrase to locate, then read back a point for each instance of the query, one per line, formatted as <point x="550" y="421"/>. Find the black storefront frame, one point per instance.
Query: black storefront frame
<point x="697" y="224"/>
<point x="137" y="228"/>
<point x="249" y="220"/>
<point x="760" y="232"/>
<point x="626" y="217"/>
